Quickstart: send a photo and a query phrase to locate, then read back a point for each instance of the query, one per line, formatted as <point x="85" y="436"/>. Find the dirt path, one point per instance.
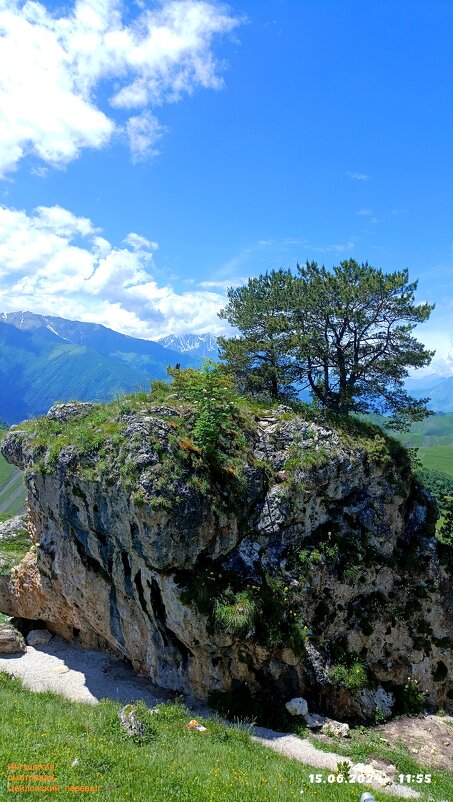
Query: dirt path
<point x="430" y="738"/>
<point x="82" y="675"/>
<point x="85" y="675"/>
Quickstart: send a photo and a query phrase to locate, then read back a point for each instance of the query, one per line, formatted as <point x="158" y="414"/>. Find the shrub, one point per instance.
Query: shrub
<point x="354" y="678"/>
<point x="379" y="716"/>
<point x="235" y="613"/>
<point x="412" y="697"/>
<point x="211" y="393"/>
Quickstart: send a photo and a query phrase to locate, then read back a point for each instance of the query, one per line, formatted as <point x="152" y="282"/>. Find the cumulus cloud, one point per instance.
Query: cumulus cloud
<point x="54" y="69"/>
<point x="53" y="262"/>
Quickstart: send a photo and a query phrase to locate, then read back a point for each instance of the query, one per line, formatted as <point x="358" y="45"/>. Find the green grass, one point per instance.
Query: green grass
<point x="433" y="437"/>
<point x="12" y="487"/>
<point x="437" y="458"/>
<point x="12" y="550"/>
<point x="365" y="745"/>
<point x="169" y="764"/>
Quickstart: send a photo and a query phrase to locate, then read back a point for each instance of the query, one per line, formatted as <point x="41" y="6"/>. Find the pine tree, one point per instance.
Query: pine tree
<point x="345" y="334"/>
<point x="261" y="358"/>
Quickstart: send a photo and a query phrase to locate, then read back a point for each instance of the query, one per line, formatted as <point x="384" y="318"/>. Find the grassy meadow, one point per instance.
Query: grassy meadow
<point x="434" y="439"/>
<point x="12" y="487"/>
<point x="169" y="763"/>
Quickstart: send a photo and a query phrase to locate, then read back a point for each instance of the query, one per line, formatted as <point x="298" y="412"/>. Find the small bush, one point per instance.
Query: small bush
<point x="413" y="697"/>
<point x="354" y="678"/>
<point x="379" y="716"/>
<point x="235" y="613"/>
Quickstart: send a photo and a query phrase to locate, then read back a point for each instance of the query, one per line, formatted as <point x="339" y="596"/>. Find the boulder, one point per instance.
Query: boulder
<point x="315" y="721"/>
<point x="335" y="729"/>
<point x="74" y="409"/>
<point x="129" y="721"/>
<point x="297" y="706"/>
<point x="373" y="776"/>
<point x="38" y="637"/>
<point x="376" y="701"/>
<point x="139" y="543"/>
<point x="11" y="641"/>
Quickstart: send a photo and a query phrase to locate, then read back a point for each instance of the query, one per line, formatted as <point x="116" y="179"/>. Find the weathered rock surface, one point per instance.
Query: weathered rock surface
<point x="129" y="721"/>
<point x="336" y="729"/>
<point x="11" y="641"/>
<point x="38" y="637"/>
<point x="297" y="706"/>
<point x="327" y="726"/>
<point x="12" y="526"/>
<point x="338" y="537"/>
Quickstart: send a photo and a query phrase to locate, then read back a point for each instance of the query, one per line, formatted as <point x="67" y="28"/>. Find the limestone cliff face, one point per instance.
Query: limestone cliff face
<point x="333" y="542"/>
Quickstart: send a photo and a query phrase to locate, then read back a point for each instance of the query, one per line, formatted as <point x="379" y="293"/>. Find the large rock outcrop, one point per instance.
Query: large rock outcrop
<point x="315" y="572"/>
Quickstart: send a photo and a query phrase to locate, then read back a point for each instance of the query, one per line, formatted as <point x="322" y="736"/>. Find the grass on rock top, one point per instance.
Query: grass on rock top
<point x="215" y="426"/>
<point x="100" y="433"/>
<point x="169" y="764"/>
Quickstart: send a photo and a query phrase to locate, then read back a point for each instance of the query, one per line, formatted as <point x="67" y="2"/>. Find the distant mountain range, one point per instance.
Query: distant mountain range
<point x="439" y="389"/>
<point x="44" y="359"/>
<point x="202" y="345"/>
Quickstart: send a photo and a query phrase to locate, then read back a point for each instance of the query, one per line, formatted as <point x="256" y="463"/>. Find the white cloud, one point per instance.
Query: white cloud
<point x="143" y="131"/>
<point x="41" y="172"/>
<point x="139" y="243"/>
<point x="357" y="176"/>
<point x="60" y="221"/>
<point x="53" y="68"/>
<point x="364" y="212"/>
<point x="53" y="262"/>
<point x="342" y="247"/>
<point x="222" y="285"/>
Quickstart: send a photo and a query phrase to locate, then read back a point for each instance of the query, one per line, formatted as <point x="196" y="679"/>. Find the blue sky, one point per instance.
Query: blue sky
<point x="154" y="153"/>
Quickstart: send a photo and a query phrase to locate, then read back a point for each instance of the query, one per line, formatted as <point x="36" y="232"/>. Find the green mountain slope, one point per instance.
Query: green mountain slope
<point x="45" y="359"/>
<point x="12" y="487"/>
<point x="37" y="368"/>
<point x="145" y="356"/>
<point x="433" y="437"/>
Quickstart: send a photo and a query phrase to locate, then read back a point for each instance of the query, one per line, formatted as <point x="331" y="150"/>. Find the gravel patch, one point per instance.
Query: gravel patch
<point x="81" y="675"/>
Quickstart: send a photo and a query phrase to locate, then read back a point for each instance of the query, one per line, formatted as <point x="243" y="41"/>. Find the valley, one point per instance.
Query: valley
<point x="45" y="358"/>
<point x="12" y="488"/>
<point x="433" y="438"/>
